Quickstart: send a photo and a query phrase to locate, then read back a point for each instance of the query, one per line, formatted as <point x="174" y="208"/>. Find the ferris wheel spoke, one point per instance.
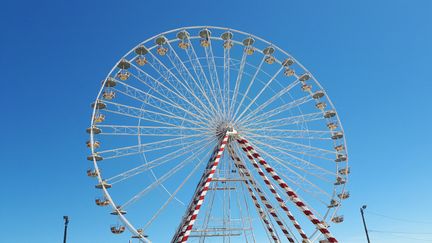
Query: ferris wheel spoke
<point x="158" y="108"/>
<point x="302" y="206"/>
<point x="258" y="69"/>
<point x="276" y="111"/>
<point x="226" y="77"/>
<point x="304" y="118"/>
<point x="290" y="134"/>
<point x="121" y="130"/>
<point x="237" y="83"/>
<point x="259" y="93"/>
<point x="149" y="115"/>
<point x="149" y="80"/>
<point x="154" y="101"/>
<point x="161" y="179"/>
<point x="272" y="99"/>
<point x="147" y="147"/>
<point x="285" y="163"/>
<point x="159" y="161"/>
<point x="172" y="196"/>
<point x="171" y="79"/>
<point x="200" y="73"/>
<point x="298" y="147"/>
<point x="213" y="72"/>
<point x="167" y="74"/>
<point x="187" y="76"/>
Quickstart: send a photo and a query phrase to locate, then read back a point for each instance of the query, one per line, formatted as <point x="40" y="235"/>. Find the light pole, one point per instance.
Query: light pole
<point x="364" y="222"/>
<point x="66" y="220"/>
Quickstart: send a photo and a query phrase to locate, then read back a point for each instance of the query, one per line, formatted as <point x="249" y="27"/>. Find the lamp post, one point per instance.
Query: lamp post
<point x="364" y="222"/>
<point x="66" y="220"/>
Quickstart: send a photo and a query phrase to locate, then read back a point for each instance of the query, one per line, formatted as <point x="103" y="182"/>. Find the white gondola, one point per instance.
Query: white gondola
<point x="338" y="219"/>
<point x="123" y="64"/>
<point x="248" y="42"/>
<point x="332" y="126"/>
<point x="96" y="144"/>
<point x="344" y="171"/>
<point x="92" y="173"/>
<point x="108" y="95"/>
<point x="339" y="148"/>
<point x="205" y="37"/>
<point x="268" y="51"/>
<point x="161" y="40"/>
<point x="344" y="195"/>
<point x="99" y="105"/>
<point x="337" y="135"/>
<point x="123" y="75"/>
<point x="183" y="35"/>
<point x="141" y="50"/>
<point x="269" y="59"/>
<point x="109" y="82"/>
<point x="329" y="114"/>
<point x="304" y="77"/>
<point x="306" y="87"/>
<point x="94" y="156"/>
<point x="288" y="72"/>
<point x="183" y="45"/>
<point x="140" y="234"/>
<point x="162" y="50"/>
<point x="94" y="130"/>
<point x="333" y="204"/>
<point x="340" y="181"/>
<point x="227" y="36"/>
<point x="141" y="60"/>
<point x="104" y="184"/>
<point x="99" y="118"/>
<point x="341" y="158"/>
<point x="228" y="44"/>
<point x="102" y="202"/>
<point x="288" y="62"/>
<point x="317" y="95"/>
<point x="118" y="211"/>
<point x="250" y="50"/>
<point x="321" y="105"/>
<point x="118" y="229"/>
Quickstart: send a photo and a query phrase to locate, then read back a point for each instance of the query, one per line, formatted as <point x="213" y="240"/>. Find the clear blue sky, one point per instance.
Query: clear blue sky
<point x="373" y="58"/>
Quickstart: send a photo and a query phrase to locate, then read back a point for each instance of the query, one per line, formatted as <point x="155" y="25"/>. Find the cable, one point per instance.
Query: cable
<point x="398" y="235"/>
<point x="398" y="219"/>
<point x="401" y="232"/>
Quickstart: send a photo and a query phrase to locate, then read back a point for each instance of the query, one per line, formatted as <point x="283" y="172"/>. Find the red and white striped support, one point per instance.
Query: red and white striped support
<point x="245" y="172"/>
<point x="190" y="209"/>
<point x="199" y="198"/>
<point x="251" y="153"/>
<point x="276" y="195"/>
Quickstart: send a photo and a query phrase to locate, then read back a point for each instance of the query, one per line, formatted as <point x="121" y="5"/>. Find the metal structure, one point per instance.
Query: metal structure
<point x="217" y="135"/>
<point x="364" y="222"/>
<point x="66" y="222"/>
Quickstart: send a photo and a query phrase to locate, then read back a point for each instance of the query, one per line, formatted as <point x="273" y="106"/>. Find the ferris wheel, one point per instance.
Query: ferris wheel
<point x="213" y="134"/>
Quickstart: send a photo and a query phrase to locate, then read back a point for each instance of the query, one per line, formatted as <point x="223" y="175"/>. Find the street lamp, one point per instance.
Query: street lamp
<point x="66" y="220"/>
<point x="364" y="222"/>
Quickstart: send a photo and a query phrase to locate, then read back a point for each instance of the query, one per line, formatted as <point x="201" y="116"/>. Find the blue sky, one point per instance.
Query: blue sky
<point x="372" y="57"/>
